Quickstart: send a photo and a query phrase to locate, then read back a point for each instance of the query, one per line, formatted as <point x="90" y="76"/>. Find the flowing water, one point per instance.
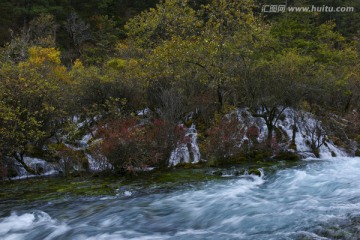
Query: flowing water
<point x="319" y="199"/>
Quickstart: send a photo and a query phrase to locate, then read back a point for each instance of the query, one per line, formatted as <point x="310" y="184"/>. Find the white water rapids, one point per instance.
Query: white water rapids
<point x="319" y="199"/>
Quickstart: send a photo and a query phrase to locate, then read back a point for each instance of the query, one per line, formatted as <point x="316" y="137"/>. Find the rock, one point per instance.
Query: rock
<point x="255" y="172"/>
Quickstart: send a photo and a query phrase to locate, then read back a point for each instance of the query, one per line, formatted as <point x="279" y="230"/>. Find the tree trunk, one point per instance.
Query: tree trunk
<point x="20" y="159"/>
<point x="270" y="128"/>
<point x="220" y="96"/>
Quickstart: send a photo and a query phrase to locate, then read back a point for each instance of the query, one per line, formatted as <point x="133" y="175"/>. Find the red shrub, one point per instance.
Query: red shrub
<point x="224" y="138"/>
<point x="253" y="132"/>
<point x="129" y="144"/>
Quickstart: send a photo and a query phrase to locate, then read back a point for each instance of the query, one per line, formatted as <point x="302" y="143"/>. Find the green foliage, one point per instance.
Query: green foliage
<point x="31" y="100"/>
<point x="170" y="18"/>
<point x="176" y="57"/>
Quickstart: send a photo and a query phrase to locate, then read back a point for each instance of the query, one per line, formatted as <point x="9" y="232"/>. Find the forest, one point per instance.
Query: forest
<point x="137" y="75"/>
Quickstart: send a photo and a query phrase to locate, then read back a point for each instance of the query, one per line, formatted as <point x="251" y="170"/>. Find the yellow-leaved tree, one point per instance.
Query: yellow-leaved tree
<point x="33" y="100"/>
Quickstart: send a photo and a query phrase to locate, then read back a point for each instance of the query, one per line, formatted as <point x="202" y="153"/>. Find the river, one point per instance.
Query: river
<point x="318" y="199"/>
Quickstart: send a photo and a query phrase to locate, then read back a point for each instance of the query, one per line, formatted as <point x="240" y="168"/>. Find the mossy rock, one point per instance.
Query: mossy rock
<point x="288" y="156"/>
<point x="254" y="172"/>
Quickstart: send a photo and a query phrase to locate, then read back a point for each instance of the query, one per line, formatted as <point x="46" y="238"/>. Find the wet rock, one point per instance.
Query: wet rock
<point x="254" y="172"/>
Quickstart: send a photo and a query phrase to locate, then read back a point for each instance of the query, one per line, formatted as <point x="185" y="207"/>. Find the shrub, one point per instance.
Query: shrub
<point x="224" y="138"/>
<point x="69" y="159"/>
<point x="253" y="133"/>
<point x="129" y="144"/>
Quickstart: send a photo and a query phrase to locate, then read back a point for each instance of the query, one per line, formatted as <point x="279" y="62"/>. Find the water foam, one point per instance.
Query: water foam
<point x="308" y="200"/>
<point x="24" y="225"/>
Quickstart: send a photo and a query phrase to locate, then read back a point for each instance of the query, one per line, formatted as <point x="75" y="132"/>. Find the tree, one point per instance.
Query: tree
<point x="275" y="84"/>
<point x="214" y="54"/>
<point x="105" y="35"/>
<point x="79" y="33"/>
<point x="306" y="63"/>
<point x="41" y="32"/>
<point x="32" y="102"/>
<point x="170" y="18"/>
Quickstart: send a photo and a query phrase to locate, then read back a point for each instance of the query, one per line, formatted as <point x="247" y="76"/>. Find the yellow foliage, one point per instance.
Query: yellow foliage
<point x="133" y="63"/>
<point x="117" y="63"/>
<point x="78" y="64"/>
<point x="39" y="55"/>
<point x="305" y="105"/>
<point x="61" y="73"/>
<point x="121" y="47"/>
